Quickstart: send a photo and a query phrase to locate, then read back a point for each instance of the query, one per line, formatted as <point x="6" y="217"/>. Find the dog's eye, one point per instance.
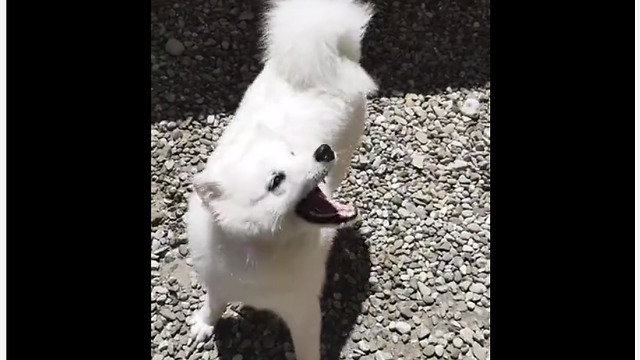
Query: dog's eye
<point x="276" y="180"/>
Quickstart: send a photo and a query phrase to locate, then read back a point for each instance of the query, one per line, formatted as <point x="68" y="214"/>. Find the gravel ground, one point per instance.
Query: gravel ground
<point x="412" y="280"/>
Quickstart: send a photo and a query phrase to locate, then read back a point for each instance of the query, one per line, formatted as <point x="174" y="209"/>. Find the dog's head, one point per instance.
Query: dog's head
<point x="268" y="188"/>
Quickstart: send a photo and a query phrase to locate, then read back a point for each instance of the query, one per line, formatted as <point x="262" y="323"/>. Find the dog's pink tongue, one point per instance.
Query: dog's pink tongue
<point x="330" y="207"/>
<point x="343" y="209"/>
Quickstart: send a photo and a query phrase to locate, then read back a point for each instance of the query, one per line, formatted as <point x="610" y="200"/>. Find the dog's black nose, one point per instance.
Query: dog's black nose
<point x="324" y="153"/>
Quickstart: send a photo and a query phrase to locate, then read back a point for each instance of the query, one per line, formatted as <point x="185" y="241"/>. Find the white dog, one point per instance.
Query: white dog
<point x="262" y="219"/>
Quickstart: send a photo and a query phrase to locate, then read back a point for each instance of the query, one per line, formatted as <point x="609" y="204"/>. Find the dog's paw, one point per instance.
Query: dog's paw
<point x="200" y="327"/>
<point x="201" y="331"/>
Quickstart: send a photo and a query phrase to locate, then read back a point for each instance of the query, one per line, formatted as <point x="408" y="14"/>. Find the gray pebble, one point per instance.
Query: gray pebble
<point x="174" y="47"/>
<point x="246" y="15"/>
<point x="168" y="314"/>
<point x="440" y="112"/>
<point x="403" y="327"/>
<point x="429" y="351"/>
<point x="439" y="350"/>
<point x="160" y="289"/>
<point x="424" y="289"/>
<point x="448" y="129"/>
<point x="478" y="288"/>
<point x="459" y="165"/>
<point x="383" y="355"/>
<point x="169" y="164"/>
<point x="423" y="332"/>
<point x="473" y="227"/>
<point x="422" y="137"/>
<point x="363" y="345"/>
<point x="417" y="161"/>
<point x="463" y="180"/>
<point x="176" y="134"/>
<point x="478" y="351"/>
<point x="470" y="107"/>
<point x="467" y="335"/>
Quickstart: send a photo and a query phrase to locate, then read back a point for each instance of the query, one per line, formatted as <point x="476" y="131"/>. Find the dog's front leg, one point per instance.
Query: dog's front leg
<point x="304" y="320"/>
<point x="203" y="320"/>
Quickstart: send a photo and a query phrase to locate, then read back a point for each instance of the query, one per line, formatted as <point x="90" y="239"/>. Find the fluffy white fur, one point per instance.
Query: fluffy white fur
<point x="247" y="243"/>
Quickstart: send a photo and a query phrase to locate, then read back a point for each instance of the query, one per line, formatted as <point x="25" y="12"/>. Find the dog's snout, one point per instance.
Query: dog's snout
<point x="324" y="153"/>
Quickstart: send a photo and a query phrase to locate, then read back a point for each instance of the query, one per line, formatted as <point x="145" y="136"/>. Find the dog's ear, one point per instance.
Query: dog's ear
<point x="207" y="189"/>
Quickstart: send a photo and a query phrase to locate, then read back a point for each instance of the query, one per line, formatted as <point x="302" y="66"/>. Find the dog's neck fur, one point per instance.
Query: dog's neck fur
<point x="259" y="255"/>
<point x="261" y="245"/>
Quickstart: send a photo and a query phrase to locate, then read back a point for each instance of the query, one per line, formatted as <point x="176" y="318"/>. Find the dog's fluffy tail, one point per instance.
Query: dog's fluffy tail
<point x="306" y="41"/>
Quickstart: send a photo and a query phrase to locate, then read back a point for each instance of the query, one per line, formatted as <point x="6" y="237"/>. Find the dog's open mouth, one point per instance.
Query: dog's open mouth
<point x="317" y="208"/>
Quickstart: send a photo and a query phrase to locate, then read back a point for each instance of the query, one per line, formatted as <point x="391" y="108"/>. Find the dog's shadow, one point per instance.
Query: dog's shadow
<point x="262" y="335"/>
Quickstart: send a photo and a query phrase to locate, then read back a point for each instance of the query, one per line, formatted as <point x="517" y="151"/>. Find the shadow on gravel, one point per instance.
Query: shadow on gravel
<point x="411" y="46"/>
<point x="424" y="47"/>
<point x="262" y="335"/>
